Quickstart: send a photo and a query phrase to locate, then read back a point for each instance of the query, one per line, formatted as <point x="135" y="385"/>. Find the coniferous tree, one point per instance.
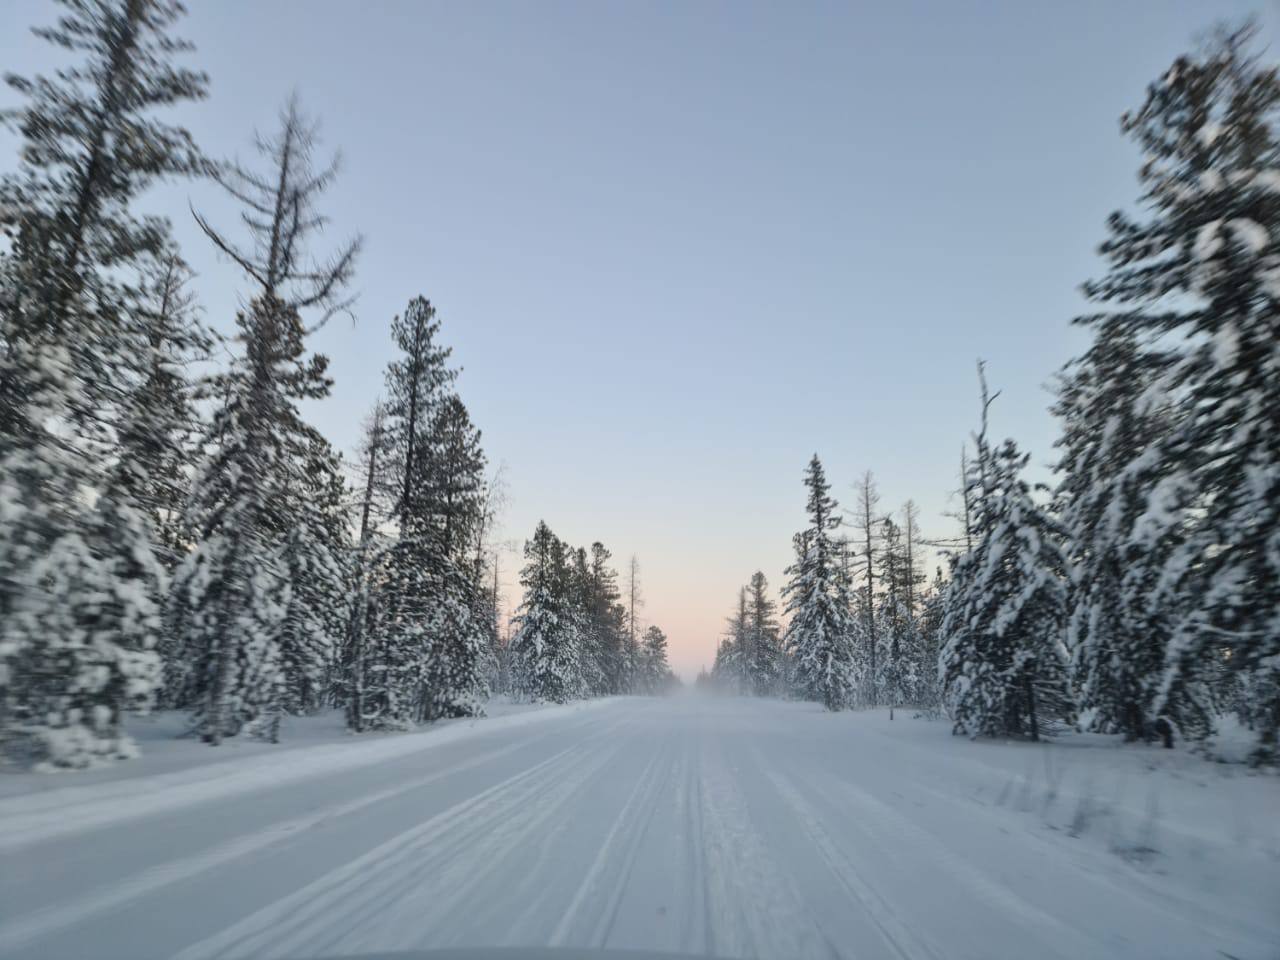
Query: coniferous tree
<point x="1197" y="275"/>
<point x="1004" y="663"/>
<point x="498" y="676"/>
<point x="453" y="465"/>
<point x="427" y="634"/>
<point x="608" y="617"/>
<point x="78" y="583"/>
<point x="452" y="678"/>
<point x="416" y="383"/>
<point x="484" y="575"/>
<point x="762" y="627"/>
<point x="866" y="520"/>
<point x="260" y="547"/>
<point x="635" y="602"/>
<point x="391" y="645"/>
<point x="592" y="670"/>
<point x="897" y="640"/>
<point x="732" y="664"/>
<point x="231" y="592"/>
<point x="89" y="147"/>
<point x="657" y="675"/>
<point x="921" y="663"/>
<point x="394" y="682"/>
<point x="486" y="599"/>
<point x="423" y="656"/>
<point x="928" y="693"/>
<point x="722" y="666"/>
<point x="1121" y="608"/>
<point x="819" y="632"/>
<point x="159" y="422"/>
<point x="912" y="577"/>
<point x="373" y="508"/>
<point x="144" y="492"/>
<point x="544" y="653"/>
<point x="280" y="212"/>
<point x="450" y="507"/>
<point x="315" y="557"/>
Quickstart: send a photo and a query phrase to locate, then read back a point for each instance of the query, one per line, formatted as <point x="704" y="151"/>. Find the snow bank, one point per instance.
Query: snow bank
<point x="1130" y="788"/>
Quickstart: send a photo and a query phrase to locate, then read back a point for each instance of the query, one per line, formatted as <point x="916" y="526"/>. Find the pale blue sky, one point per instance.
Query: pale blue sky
<point x="679" y="247"/>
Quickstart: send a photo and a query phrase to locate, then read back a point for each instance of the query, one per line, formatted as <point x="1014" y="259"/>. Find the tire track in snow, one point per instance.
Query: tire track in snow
<point x="477" y="861"/>
<point x="535" y="876"/>
<point x="470" y="852"/>
<point x="627" y="833"/>
<point x="55" y="918"/>
<point x="341" y="904"/>
<point x="488" y="865"/>
<point x="755" y="908"/>
<point x="911" y="842"/>
<point x="29" y="819"/>
<point x="660" y="788"/>
<point x="530" y="883"/>
<point x="337" y="894"/>
<point x="696" y="843"/>
<point x="893" y="929"/>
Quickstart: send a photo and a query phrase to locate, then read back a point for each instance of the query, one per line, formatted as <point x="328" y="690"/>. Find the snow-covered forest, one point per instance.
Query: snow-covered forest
<point x="177" y="534"/>
<point x="1139" y="593"/>
<point x="173" y="532"/>
<point x="1043" y="723"/>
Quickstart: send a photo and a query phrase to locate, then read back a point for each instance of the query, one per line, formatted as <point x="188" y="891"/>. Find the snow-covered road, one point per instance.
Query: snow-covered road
<point x="735" y="828"/>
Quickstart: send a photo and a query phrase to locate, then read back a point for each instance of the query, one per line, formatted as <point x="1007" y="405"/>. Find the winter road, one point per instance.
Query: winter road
<point x="733" y="828"/>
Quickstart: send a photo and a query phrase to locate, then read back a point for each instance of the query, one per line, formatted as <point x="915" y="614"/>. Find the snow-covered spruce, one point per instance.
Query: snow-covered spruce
<point x="819" y="632"/>
<point x="421" y="650"/>
<point x="1121" y="607"/>
<point x="256" y="603"/>
<point x="764" y="665"/>
<point x="1003" y="665"/>
<point x="898" y="633"/>
<point x="654" y="675"/>
<point x="1195" y="285"/>
<point x="731" y="669"/>
<point x="545" y="655"/>
<point x="232" y="592"/>
<point x="607" y="619"/>
<point x="78" y="580"/>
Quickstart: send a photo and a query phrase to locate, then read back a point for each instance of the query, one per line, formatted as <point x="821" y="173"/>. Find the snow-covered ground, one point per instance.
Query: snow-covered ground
<point x="729" y="827"/>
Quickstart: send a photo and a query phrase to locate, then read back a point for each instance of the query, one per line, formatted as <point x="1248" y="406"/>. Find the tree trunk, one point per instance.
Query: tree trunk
<point x="1030" y="689"/>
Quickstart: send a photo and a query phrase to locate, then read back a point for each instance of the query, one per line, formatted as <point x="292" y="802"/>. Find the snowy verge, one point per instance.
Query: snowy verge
<point x="33" y="813"/>
<point x="1170" y="818"/>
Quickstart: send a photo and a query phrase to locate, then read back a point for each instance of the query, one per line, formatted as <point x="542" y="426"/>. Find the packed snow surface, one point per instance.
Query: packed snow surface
<point x="728" y="827"/>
